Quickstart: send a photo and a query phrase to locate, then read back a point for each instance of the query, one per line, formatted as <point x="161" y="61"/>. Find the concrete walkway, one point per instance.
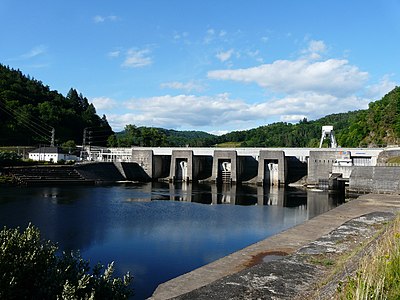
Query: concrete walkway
<point x="288" y="241"/>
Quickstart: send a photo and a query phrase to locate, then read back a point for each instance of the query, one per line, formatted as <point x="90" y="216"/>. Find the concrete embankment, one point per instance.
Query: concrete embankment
<point x="311" y="248"/>
<point x="112" y="171"/>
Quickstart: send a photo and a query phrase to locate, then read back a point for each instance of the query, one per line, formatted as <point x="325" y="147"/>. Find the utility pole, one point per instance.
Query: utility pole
<point x="83" y="143"/>
<point x="53" y="135"/>
<point x="84" y="138"/>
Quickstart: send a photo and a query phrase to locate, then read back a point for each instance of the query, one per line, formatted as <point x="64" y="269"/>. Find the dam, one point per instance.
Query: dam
<point x="261" y="166"/>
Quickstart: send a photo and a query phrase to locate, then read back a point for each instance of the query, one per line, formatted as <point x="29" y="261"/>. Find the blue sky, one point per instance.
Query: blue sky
<point x="212" y="65"/>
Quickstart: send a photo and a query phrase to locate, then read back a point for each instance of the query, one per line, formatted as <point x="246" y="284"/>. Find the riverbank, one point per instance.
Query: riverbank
<point x="310" y="249"/>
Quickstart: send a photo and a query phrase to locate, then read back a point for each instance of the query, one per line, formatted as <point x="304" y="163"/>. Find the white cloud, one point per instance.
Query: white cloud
<point x="222" y="33"/>
<point x="210" y="35"/>
<point x="332" y="76"/>
<point x="378" y="90"/>
<point x="221" y="112"/>
<point x="178" y="35"/>
<point x="316" y="46"/>
<point x="218" y="132"/>
<point x="315" y="49"/>
<point x="34" y="52"/>
<point x="188" y="86"/>
<point x="137" y="58"/>
<point x="292" y="118"/>
<point x="312" y="105"/>
<point x="104" y="103"/>
<point x="115" y="53"/>
<point x="224" y="55"/>
<point x="185" y="110"/>
<point x="102" y="19"/>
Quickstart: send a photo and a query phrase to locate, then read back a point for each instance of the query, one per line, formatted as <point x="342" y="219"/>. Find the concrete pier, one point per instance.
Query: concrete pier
<point x="272" y="168"/>
<point x="224" y="169"/>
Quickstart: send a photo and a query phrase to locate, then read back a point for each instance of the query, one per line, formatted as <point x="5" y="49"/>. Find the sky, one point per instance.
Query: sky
<point x="209" y="65"/>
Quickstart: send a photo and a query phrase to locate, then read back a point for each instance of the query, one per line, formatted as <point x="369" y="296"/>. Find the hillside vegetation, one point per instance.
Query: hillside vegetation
<point x="29" y="110"/>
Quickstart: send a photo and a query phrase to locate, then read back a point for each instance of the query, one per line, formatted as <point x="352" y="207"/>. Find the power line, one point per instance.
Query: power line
<point x="25" y="123"/>
<point x="36" y="128"/>
<point x="21" y="114"/>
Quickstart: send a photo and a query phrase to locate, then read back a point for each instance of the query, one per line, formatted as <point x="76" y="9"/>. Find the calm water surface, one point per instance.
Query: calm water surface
<point x="158" y="231"/>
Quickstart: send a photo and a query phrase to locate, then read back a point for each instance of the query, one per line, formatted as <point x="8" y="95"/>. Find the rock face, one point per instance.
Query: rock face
<point x="312" y="272"/>
<point x="385" y="155"/>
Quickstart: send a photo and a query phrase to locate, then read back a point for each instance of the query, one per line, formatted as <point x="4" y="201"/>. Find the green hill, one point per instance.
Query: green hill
<point x="160" y="137"/>
<point x="29" y="111"/>
<point x="378" y="125"/>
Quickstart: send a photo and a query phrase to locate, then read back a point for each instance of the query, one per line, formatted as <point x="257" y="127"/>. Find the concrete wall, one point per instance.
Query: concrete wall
<point x="100" y="171"/>
<point x="272" y="156"/>
<point x="155" y="166"/>
<point x="320" y="165"/>
<point x="247" y="169"/>
<point x="161" y="166"/>
<point x="144" y="158"/>
<point x="378" y="179"/>
<point x="175" y="168"/>
<point x="202" y="166"/>
<point x="132" y="171"/>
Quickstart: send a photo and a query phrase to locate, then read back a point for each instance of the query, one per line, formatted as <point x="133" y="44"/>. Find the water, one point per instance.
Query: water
<point x="156" y="239"/>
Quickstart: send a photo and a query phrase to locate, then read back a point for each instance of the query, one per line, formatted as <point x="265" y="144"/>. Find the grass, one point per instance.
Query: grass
<point x="378" y="275"/>
<point x="229" y="145"/>
<point x="5" y="179"/>
<point x="394" y="160"/>
<point x="322" y="261"/>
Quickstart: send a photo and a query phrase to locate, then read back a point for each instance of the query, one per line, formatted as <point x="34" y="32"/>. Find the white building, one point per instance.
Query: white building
<point x="51" y="154"/>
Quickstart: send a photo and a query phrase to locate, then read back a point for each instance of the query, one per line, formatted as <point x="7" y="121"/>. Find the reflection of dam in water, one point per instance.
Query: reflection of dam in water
<point x="315" y="201"/>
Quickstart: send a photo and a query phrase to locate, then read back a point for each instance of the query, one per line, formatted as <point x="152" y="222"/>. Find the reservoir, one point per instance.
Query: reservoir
<point x="158" y="231"/>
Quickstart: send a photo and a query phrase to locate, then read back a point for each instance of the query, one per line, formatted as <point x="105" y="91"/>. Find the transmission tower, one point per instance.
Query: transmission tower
<point x="328" y="133"/>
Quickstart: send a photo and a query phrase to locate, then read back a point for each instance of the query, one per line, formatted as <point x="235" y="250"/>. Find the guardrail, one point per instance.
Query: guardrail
<point x="388" y="164"/>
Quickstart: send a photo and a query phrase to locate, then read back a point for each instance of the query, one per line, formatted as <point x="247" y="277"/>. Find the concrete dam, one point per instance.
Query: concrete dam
<point x="261" y="166"/>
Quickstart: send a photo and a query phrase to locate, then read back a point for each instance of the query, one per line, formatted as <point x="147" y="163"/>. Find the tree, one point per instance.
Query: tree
<point x="69" y="146"/>
<point x="31" y="269"/>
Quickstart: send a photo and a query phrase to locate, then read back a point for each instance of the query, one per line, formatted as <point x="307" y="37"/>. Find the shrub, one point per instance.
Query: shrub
<point x="8" y="158"/>
<point x="30" y="268"/>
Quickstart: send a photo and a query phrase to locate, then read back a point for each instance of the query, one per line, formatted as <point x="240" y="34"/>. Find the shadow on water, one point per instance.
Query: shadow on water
<point x="158" y="231"/>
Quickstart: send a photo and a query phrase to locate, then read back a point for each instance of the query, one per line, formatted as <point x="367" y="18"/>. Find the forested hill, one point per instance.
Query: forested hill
<point x="160" y="137"/>
<point x="378" y="125"/>
<point x="29" y="110"/>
